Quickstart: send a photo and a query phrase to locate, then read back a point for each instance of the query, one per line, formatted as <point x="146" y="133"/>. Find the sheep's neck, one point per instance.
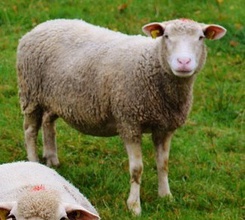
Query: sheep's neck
<point x="178" y="90"/>
<point x="174" y="97"/>
<point x="178" y="98"/>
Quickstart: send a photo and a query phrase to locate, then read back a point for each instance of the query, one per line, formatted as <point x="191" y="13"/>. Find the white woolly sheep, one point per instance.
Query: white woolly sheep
<point x="31" y="191"/>
<point x="105" y="83"/>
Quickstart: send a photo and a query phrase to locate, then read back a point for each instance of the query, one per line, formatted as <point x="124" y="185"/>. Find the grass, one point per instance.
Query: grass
<point x="207" y="156"/>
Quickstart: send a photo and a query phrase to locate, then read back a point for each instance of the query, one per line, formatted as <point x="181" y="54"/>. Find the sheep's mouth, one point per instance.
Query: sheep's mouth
<point x="183" y="73"/>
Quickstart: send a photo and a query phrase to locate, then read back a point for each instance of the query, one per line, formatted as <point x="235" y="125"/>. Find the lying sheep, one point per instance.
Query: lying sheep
<point x="33" y="191"/>
<point x="105" y="83"/>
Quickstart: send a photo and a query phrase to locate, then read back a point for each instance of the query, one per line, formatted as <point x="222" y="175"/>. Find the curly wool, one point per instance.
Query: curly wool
<point x="43" y="204"/>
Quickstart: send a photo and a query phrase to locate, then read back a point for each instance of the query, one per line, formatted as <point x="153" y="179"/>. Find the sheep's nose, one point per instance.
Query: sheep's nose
<point x="184" y="61"/>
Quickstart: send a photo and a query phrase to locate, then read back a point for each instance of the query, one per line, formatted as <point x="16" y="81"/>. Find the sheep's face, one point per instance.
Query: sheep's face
<point x="43" y="204"/>
<point x="38" y="205"/>
<point x="183" y="49"/>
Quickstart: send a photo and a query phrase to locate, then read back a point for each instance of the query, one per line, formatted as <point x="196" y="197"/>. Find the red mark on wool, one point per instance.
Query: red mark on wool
<point x="185" y="19"/>
<point x="38" y="188"/>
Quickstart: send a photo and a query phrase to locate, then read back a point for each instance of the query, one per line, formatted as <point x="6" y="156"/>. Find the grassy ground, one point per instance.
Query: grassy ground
<point x="207" y="155"/>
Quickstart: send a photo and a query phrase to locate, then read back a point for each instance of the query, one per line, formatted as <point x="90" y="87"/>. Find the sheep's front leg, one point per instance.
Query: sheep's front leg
<point x="32" y="124"/>
<point x="162" y="143"/>
<point x="49" y="140"/>
<point x="136" y="169"/>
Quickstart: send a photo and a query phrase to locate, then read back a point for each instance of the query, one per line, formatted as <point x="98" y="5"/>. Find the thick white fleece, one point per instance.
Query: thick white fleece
<point x="19" y="180"/>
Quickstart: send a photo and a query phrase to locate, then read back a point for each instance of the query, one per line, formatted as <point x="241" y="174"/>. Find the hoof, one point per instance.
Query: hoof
<point x="52" y="161"/>
<point x="168" y="196"/>
<point x="134" y="207"/>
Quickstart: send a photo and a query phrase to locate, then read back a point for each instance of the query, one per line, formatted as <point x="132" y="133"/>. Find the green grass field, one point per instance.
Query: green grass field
<point x="207" y="170"/>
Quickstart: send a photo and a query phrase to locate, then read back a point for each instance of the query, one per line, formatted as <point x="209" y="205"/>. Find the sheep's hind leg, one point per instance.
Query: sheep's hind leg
<point x="32" y="124"/>
<point x="162" y="145"/>
<point x="136" y="169"/>
<point x="49" y="140"/>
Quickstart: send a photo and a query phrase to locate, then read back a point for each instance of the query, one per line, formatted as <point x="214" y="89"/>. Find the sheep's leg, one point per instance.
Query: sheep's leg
<point x="162" y="144"/>
<point x="49" y="140"/>
<point x="32" y="124"/>
<point x="136" y="169"/>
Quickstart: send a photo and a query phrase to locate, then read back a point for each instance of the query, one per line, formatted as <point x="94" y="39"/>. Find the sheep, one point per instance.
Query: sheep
<point x="30" y="190"/>
<point x="107" y="83"/>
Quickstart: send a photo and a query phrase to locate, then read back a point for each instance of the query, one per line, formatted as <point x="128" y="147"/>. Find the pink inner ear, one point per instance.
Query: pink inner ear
<point x="38" y="188"/>
<point x="81" y="215"/>
<point x="156" y="28"/>
<point x="214" y="32"/>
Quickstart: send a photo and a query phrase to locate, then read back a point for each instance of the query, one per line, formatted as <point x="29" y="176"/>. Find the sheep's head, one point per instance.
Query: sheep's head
<point x="41" y="204"/>
<point x="183" y="50"/>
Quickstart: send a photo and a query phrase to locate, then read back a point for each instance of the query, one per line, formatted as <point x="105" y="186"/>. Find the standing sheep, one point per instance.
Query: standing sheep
<point x="31" y="191"/>
<point x="105" y="83"/>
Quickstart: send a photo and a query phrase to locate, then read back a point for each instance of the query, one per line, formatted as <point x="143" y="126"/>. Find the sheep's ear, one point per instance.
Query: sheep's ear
<point x="153" y="29"/>
<point x="5" y="208"/>
<point x="3" y="213"/>
<point x="79" y="214"/>
<point x="214" y="32"/>
<point x="76" y="212"/>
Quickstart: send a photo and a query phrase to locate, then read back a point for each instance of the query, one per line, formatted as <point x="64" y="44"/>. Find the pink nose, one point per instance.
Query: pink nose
<point x="184" y="61"/>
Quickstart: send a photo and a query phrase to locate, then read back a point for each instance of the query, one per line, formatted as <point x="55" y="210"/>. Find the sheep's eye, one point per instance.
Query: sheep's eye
<point x="12" y="217"/>
<point x="166" y="36"/>
<point x="201" y="37"/>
